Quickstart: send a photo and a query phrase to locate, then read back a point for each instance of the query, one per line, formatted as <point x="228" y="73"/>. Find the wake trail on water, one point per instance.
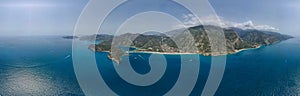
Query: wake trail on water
<point x="68" y="56"/>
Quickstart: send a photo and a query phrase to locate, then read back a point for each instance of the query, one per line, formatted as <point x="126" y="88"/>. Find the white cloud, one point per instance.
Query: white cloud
<point x="191" y="20"/>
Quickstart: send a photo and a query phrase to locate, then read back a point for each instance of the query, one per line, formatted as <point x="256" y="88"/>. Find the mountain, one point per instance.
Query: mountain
<point x="70" y="37"/>
<point x="154" y="33"/>
<point x="97" y="37"/>
<point x="261" y="37"/>
<point x="236" y="40"/>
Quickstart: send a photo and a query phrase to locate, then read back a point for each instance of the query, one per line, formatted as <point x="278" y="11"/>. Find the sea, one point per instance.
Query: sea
<point x="43" y="66"/>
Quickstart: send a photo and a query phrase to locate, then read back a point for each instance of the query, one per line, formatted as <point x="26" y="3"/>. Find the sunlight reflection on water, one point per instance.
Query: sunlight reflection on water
<point x="33" y="68"/>
<point x="27" y="81"/>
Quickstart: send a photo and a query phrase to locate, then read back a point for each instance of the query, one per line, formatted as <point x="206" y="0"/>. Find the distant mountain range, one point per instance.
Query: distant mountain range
<point x="102" y="37"/>
<point x="70" y="37"/>
<point x="236" y="39"/>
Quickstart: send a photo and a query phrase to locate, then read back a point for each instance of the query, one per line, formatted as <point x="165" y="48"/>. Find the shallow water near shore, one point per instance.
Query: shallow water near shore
<point x="43" y="66"/>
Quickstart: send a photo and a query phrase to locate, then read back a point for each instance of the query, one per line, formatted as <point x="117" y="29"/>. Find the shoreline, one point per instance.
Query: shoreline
<point x="205" y="54"/>
<point x="257" y="47"/>
<point x="177" y="53"/>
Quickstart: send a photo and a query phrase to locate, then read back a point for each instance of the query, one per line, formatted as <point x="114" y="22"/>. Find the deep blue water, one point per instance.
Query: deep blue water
<point x="36" y="66"/>
<point x="43" y="66"/>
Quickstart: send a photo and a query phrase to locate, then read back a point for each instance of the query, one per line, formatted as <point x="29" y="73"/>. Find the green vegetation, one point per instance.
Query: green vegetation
<point x="236" y="39"/>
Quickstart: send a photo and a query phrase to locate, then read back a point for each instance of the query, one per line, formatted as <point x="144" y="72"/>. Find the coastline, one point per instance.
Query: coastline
<point x="176" y="53"/>
<point x="244" y="49"/>
<point x="205" y="54"/>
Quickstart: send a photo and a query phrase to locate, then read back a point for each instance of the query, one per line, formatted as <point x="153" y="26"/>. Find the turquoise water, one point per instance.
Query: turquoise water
<point x="43" y="66"/>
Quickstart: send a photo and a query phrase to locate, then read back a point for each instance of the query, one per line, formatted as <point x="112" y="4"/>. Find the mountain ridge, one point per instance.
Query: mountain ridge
<point x="236" y="40"/>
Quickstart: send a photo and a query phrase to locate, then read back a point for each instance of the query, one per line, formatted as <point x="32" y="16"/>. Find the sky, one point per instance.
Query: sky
<point x="59" y="17"/>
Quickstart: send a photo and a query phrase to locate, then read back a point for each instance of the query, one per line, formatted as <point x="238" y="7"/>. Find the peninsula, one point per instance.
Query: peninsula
<point x="236" y="40"/>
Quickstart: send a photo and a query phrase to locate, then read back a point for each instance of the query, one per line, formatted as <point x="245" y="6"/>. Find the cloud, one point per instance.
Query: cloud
<point x="191" y="20"/>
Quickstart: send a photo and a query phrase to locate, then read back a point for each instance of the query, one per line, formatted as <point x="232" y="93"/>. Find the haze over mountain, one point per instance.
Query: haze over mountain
<point x="191" y="20"/>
